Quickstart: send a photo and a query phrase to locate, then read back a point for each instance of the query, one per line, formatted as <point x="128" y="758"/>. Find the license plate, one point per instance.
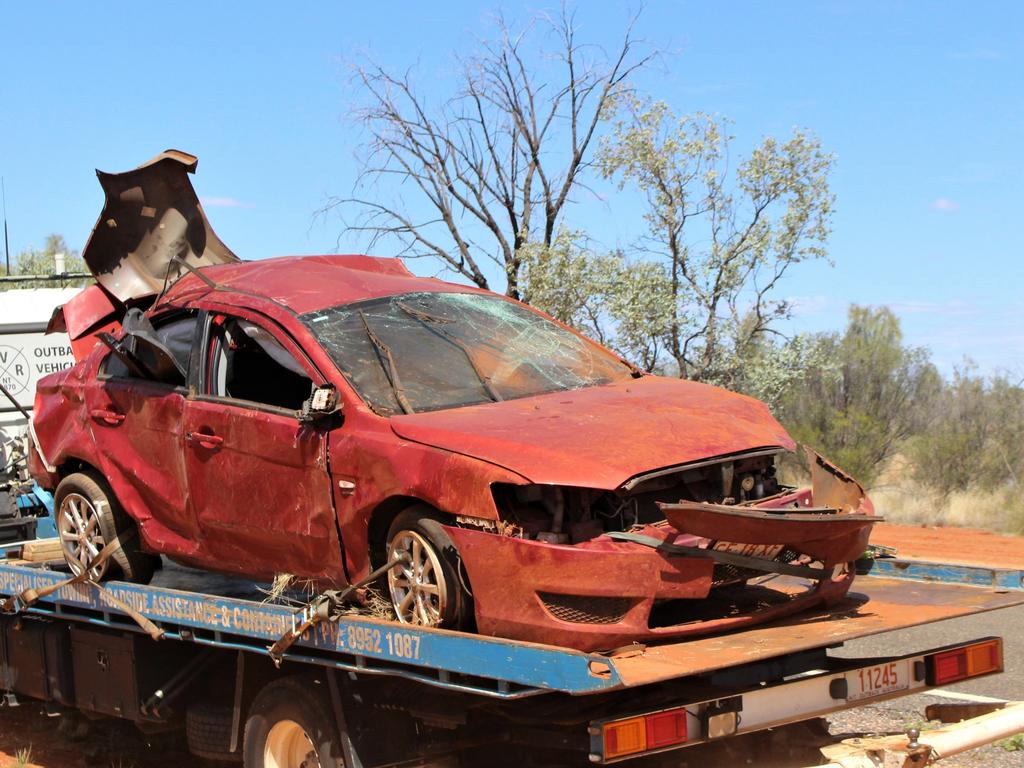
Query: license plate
<point x="878" y="680"/>
<point x="764" y="551"/>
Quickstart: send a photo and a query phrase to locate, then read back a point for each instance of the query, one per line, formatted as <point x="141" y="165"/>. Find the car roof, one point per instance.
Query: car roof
<point x="308" y="283"/>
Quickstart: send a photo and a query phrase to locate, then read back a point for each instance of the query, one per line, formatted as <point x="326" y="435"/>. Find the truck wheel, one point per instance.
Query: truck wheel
<point x="208" y="732"/>
<point x="88" y="516"/>
<point x="290" y="726"/>
<point x="430" y="589"/>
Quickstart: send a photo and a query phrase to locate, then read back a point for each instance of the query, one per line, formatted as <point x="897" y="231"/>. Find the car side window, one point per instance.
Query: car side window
<point x="159" y="352"/>
<point x="246" y="362"/>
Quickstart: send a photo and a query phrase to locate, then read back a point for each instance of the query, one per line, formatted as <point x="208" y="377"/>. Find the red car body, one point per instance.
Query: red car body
<point x="231" y="485"/>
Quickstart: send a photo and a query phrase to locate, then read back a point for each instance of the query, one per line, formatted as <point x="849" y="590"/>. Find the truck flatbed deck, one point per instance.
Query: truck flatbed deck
<point x="875" y="605"/>
<point x="207" y="609"/>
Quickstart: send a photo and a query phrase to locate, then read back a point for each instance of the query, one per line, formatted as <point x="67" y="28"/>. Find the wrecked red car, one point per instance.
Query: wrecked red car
<point x="322" y="416"/>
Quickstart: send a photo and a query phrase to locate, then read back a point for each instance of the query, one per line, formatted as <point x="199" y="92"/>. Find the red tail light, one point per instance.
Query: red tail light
<point x="962" y="663"/>
<point x="644" y="733"/>
<point x="666" y="728"/>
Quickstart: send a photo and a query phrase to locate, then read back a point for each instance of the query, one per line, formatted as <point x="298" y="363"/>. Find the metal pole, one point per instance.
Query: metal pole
<point x="931" y="746"/>
<point x="6" y="393"/>
<point x="7" y="247"/>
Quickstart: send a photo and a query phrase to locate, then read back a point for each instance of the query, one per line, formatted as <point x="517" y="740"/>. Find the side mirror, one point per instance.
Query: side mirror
<point x="322" y="402"/>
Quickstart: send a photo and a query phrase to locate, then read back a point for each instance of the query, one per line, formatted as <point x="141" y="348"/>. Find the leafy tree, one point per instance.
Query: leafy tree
<point x="873" y="394"/>
<point x="723" y="245"/>
<point x="565" y="279"/>
<point x="494" y="165"/>
<point x="610" y="298"/>
<point x="43" y="262"/>
<point x="773" y="371"/>
<point x="974" y="435"/>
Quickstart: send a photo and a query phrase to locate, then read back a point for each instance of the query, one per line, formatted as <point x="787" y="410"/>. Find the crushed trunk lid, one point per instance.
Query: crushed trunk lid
<point x="151" y="216"/>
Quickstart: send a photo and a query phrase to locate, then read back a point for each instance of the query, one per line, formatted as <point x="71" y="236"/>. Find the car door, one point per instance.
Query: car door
<point x="135" y="420"/>
<point x="258" y="478"/>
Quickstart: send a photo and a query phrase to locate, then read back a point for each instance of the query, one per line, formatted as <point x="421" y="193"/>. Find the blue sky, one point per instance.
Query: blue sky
<point x="922" y="104"/>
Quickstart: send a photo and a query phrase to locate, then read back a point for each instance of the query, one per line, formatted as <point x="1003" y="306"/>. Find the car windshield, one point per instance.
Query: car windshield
<point x="428" y="351"/>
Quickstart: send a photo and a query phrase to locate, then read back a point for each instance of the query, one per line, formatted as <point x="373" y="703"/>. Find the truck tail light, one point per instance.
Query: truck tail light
<point x="645" y="733"/>
<point x="666" y="728"/>
<point x="963" y="663"/>
<point x="625" y="737"/>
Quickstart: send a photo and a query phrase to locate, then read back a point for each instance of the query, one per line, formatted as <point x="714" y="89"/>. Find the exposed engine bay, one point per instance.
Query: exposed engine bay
<point x="571" y="515"/>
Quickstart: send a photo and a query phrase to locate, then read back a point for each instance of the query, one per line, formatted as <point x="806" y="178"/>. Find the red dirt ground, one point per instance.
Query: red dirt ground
<point x="954" y="545"/>
<point x="99" y="744"/>
<point x="118" y="745"/>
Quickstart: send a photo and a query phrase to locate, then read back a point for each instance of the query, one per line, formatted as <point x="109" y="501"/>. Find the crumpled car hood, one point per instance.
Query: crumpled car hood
<point x="151" y="215"/>
<point x="599" y="437"/>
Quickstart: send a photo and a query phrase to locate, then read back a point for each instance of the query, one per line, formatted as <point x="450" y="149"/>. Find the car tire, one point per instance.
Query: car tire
<point x="419" y="531"/>
<point x="88" y="499"/>
<point x="290" y="725"/>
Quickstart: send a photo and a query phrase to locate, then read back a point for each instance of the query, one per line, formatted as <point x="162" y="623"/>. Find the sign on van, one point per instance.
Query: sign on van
<point x="25" y="358"/>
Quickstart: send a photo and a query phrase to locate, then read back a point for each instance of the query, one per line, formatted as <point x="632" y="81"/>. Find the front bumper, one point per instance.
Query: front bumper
<point x="603" y="594"/>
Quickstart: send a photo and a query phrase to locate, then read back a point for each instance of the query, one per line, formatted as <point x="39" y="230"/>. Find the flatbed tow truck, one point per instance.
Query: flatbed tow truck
<point x="194" y="649"/>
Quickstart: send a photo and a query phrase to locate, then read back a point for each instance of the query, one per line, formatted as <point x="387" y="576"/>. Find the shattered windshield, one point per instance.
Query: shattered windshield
<point x="428" y="351"/>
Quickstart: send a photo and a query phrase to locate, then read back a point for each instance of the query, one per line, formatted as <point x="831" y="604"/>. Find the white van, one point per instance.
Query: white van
<point x="26" y="355"/>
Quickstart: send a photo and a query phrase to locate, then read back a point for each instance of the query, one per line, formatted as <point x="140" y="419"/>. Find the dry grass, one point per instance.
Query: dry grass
<point x="901" y="499"/>
<point x="286" y="588"/>
<point x="375" y="605"/>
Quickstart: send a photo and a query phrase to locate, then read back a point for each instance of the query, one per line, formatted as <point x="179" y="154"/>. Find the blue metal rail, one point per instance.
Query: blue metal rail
<point x="490" y="666"/>
<point x="948" y="573"/>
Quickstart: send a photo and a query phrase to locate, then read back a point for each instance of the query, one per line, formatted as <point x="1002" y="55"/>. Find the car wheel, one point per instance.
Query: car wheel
<point x="429" y="589"/>
<point x="88" y="517"/>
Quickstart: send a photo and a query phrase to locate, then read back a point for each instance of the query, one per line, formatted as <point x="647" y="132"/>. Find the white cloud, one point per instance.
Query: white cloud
<point x="223" y="202"/>
<point x="957" y="307"/>
<point x="809" y="305"/>
<point x="977" y="54"/>
<point x="945" y="204"/>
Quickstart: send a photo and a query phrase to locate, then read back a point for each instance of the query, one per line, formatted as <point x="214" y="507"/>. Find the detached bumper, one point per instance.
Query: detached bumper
<point x="602" y="594"/>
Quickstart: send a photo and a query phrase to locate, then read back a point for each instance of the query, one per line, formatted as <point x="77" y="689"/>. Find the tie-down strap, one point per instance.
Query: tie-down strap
<point x="325" y="607"/>
<point x="21" y="601"/>
<point x="729" y="558"/>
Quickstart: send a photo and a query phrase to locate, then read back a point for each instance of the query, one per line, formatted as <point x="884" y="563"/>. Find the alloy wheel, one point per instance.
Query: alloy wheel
<point x="417" y="583"/>
<point x="81" y="537"/>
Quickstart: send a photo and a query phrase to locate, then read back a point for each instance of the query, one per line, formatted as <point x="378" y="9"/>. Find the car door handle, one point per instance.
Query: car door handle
<point x="205" y="440"/>
<point x="113" y="418"/>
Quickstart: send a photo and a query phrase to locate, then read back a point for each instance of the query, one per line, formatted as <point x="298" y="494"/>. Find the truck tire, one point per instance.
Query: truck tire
<point x="419" y="533"/>
<point x="85" y="506"/>
<point x="208" y="732"/>
<point x="290" y="725"/>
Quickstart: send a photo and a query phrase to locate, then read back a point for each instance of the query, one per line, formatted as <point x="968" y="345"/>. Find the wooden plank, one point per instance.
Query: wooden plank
<point x="42" y="551"/>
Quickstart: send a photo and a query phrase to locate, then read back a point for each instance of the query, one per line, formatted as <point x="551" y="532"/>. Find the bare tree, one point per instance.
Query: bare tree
<point x="495" y="164"/>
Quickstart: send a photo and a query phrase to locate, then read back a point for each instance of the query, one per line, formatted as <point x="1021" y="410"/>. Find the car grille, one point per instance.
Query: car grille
<point x="722" y="603"/>
<point x="584" y="609"/>
<point x="725" y="573"/>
